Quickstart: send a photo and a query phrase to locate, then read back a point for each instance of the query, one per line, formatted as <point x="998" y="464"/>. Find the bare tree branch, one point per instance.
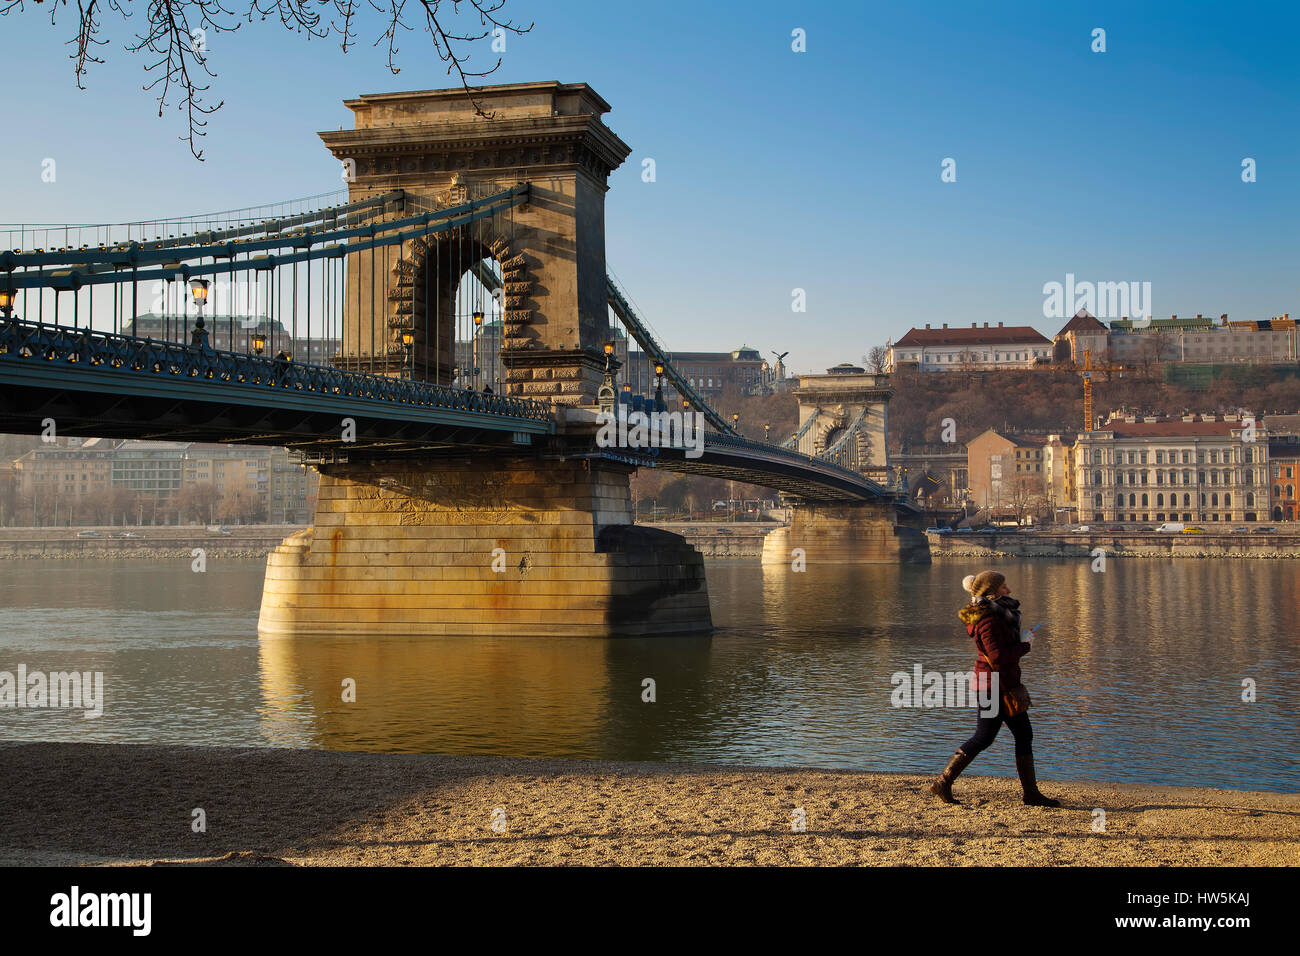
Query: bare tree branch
<point x="173" y="38"/>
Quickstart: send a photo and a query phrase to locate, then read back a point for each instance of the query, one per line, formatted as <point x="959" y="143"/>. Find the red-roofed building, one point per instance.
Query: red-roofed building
<point x="979" y="347"/>
<point x="1082" y="333"/>
<point x="1205" y="468"/>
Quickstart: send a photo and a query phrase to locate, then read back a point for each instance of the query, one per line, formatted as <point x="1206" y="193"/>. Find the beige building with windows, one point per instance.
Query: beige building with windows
<point x="1197" y="469"/>
<point x="1198" y="339"/>
<point x="1007" y="472"/>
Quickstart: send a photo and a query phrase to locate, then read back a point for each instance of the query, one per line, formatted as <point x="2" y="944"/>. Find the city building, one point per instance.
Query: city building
<point x="946" y="350"/>
<point x="1006" y="473"/>
<point x="111" y="481"/>
<point x="236" y="333"/>
<point x="1187" y="340"/>
<point x="1058" y="473"/>
<point x="1185" y="469"/>
<point x="1284" y="462"/>
<point x="1083" y="333"/>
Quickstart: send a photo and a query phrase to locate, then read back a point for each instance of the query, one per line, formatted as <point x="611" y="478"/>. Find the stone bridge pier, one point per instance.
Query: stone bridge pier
<point x="536" y="543"/>
<point x="847" y="411"/>
<point x="481" y="547"/>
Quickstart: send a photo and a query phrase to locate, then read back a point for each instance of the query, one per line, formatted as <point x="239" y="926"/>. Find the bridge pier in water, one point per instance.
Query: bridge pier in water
<point x="482" y="546"/>
<point x="866" y="533"/>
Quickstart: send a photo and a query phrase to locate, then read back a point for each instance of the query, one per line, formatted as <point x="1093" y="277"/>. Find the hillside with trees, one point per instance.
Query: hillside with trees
<point x="1051" y="400"/>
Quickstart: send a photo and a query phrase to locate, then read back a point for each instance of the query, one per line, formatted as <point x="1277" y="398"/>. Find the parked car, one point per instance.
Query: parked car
<point x="1081" y="529"/>
<point x="1147" y="527"/>
<point x="1267" y="529"/>
<point x="1241" y="530"/>
<point x="1115" y="527"/>
<point x="126" y="534"/>
<point x="1193" y="531"/>
<point x="89" y="534"/>
<point x="938" y="530"/>
<point x="965" y="531"/>
<point x="1171" y="527"/>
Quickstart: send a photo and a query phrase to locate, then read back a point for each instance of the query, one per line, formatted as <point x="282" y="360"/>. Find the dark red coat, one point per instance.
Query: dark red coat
<point x="994" y="638"/>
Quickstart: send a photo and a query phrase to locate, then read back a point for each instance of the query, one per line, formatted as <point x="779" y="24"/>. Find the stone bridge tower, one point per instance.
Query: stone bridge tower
<point x="529" y="541"/>
<point x="846" y="412"/>
<point x="434" y="146"/>
<point x="832" y="405"/>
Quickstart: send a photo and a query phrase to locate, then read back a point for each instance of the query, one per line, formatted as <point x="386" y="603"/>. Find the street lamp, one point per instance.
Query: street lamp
<point x="199" y="291"/>
<point x="259" y="343"/>
<point x="7" y="302"/>
<point x="605" y="395"/>
<point x="478" y="324"/>
<point x="659" y="387"/>
<point x="408" y="339"/>
<point x="767" y="431"/>
<point x="735" y="419"/>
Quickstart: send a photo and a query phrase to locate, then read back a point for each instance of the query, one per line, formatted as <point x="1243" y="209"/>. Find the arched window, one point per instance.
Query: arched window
<point x="1277" y="491"/>
<point x="1096" y="478"/>
<point x="1160" y="501"/>
<point x="1144" y="501"/>
<point x="1227" y="501"/>
<point x="1132" y="501"/>
<point x="1096" y="500"/>
<point x="1187" y="501"/>
<point x="1119" y="501"/>
<point x="1290" y="491"/>
<point x="1250" y="499"/>
<point x="1214" y="500"/>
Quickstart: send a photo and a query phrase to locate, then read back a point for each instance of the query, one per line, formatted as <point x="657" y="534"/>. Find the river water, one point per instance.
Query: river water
<point x="1136" y="674"/>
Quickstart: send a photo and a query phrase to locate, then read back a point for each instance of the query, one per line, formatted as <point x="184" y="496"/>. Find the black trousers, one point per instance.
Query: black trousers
<point x="986" y="729"/>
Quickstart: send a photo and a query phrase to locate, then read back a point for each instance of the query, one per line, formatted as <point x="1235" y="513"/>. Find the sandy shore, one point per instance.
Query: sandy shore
<point x="92" y="803"/>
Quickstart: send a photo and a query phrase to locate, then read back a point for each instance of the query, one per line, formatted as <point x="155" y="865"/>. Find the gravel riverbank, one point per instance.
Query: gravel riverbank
<point x="107" y="803"/>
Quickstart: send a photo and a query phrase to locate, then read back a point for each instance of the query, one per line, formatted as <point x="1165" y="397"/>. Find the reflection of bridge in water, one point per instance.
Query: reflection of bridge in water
<point x="453" y="499"/>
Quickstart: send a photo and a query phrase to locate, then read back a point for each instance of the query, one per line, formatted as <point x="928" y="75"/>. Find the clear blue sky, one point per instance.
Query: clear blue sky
<point x="780" y="170"/>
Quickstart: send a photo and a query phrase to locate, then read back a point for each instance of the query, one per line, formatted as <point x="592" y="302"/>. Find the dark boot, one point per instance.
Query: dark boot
<point x="942" y="787"/>
<point x="1029" y="783"/>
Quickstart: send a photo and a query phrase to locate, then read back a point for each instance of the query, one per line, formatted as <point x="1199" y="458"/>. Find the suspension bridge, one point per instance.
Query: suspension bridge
<point x="438" y="340"/>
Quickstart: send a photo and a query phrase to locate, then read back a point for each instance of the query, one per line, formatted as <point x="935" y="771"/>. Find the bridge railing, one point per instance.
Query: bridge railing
<point x="61" y="345"/>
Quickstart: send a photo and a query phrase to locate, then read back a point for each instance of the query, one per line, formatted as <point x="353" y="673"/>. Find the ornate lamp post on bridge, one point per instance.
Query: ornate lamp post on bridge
<point x="7" y="303"/>
<point x="408" y="339"/>
<point x="606" y="394"/>
<point x="259" y="343"/>
<point x="199" y="335"/>
<point x="659" y="387"/>
<point x="478" y="334"/>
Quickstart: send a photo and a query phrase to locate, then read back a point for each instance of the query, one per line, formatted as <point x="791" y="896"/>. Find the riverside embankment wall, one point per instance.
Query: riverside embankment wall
<point x="998" y="544"/>
<point x="154" y="543"/>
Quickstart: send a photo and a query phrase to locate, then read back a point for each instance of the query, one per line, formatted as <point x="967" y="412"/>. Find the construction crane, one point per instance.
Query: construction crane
<point x="1086" y="372"/>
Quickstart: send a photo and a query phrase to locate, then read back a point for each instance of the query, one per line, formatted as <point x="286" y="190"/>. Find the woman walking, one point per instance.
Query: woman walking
<point x="992" y="618"/>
